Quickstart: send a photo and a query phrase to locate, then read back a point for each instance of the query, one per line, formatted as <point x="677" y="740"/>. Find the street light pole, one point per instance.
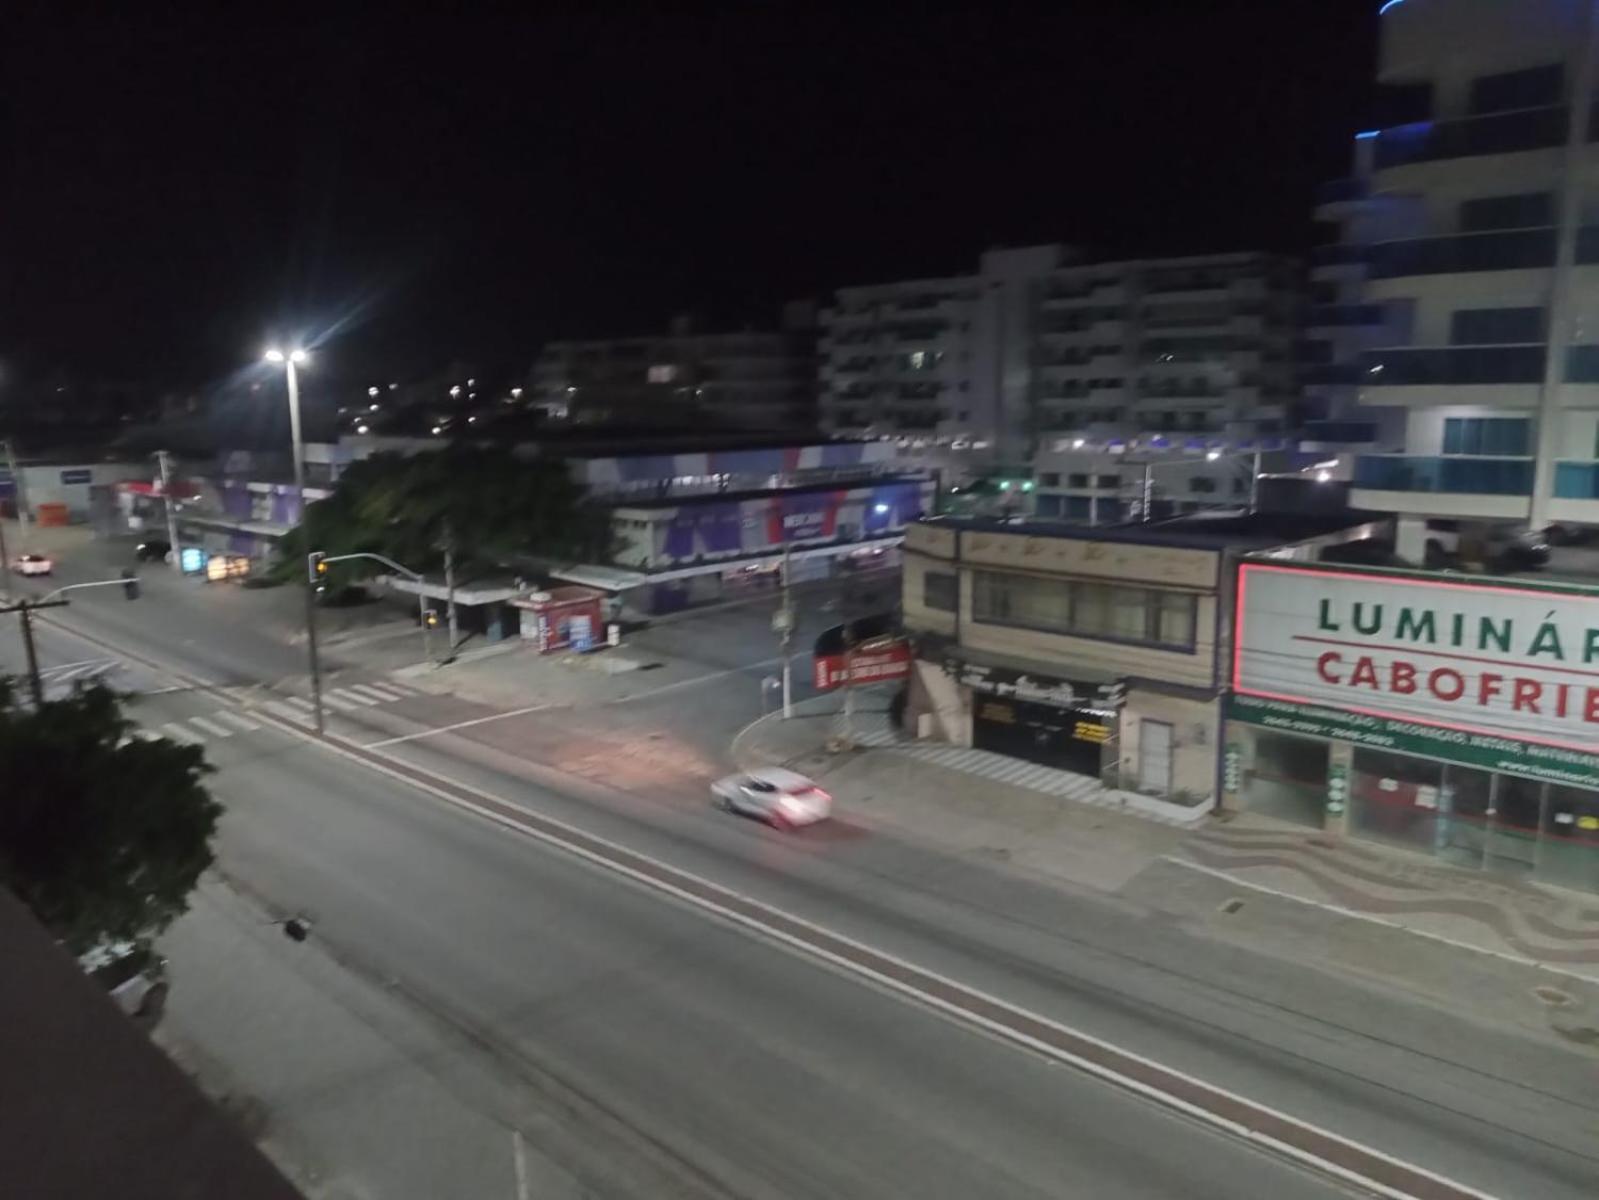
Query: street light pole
<point x="291" y="360"/>
<point x="172" y="520"/>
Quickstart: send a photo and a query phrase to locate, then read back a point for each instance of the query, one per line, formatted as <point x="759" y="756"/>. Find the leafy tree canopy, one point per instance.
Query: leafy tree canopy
<point x="486" y="504"/>
<point x="102" y="835"/>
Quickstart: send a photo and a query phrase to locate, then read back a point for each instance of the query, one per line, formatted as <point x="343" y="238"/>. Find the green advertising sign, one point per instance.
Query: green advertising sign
<point x="1531" y="759"/>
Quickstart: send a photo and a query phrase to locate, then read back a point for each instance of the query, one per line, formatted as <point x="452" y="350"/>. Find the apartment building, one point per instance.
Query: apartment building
<point x="757" y="380"/>
<point x="1460" y="306"/>
<point x="1039" y="349"/>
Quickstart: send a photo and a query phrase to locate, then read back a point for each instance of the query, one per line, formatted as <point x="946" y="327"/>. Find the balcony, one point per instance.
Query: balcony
<point x="1453" y="365"/>
<point x="1337" y="254"/>
<point x="1577" y="480"/>
<point x="1332" y="373"/>
<point x="1342" y="432"/>
<point x="1345" y="315"/>
<point x="1496" y="133"/>
<point x="1342" y="191"/>
<point x="1471" y="476"/>
<point x="1510" y="250"/>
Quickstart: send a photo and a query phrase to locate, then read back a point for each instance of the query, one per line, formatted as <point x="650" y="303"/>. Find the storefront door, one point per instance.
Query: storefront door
<point x="1463" y="804"/>
<point x="1154" y="758"/>
<point x="1513" y="832"/>
<point x="1289" y="778"/>
<point x="1070" y="739"/>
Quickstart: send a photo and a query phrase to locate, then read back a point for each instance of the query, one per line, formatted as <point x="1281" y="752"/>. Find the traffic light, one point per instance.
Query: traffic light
<point x="130" y="584"/>
<point x="316" y="561"/>
<point x="431" y="618"/>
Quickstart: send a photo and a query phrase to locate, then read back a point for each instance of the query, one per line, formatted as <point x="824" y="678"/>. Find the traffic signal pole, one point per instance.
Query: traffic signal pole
<point x="127" y="581"/>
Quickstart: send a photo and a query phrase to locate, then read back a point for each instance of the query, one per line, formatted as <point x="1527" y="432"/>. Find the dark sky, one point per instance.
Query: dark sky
<point x="463" y="188"/>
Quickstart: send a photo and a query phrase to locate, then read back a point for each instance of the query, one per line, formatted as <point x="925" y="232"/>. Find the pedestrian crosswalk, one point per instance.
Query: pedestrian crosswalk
<point x="1000" y="768"/>
<point x="225" y="722"/>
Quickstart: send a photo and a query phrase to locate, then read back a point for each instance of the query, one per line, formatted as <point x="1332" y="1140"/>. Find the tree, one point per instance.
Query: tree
<point x="484" y="506"/>
<point x="102" y="835"/>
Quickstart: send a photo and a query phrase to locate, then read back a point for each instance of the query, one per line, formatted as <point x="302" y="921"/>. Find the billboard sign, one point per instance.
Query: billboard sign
<point x="874" y="662"/>
<point x="1481" y="660"/>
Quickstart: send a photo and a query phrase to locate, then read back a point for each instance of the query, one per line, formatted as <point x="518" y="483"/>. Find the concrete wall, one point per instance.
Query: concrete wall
<point x="50" y="484"/>
<point x="1195" y="728"/>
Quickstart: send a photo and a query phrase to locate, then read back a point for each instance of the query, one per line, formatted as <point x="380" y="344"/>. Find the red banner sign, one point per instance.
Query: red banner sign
<point x="870" y="665"/>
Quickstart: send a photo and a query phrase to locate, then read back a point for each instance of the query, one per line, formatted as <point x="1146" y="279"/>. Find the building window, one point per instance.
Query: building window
<point x="1106" y="611"/>
<point x="1202" y="483"/>
<point x="1108" y="481"/>
<point x="940" y="590"/>
<point x="1504" y="437"/>
<point x="1496" y="326"/>
<point x="1049" y="479"/>
<point x="1533" y="87"/>
<point x="1525" y="210"/>
<point x="1077" y="481"/>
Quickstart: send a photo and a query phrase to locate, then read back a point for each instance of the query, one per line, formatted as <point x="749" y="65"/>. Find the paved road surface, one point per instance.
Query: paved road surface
<point x="745" y="1069"/>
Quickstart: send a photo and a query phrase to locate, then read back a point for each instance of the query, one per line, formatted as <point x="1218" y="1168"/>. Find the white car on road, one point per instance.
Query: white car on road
<point x="33" y="564"/>
<point x="782" y="798"/>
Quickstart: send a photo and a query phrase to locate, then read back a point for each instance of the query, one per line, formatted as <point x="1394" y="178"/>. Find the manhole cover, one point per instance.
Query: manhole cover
<point x="1231" y="906"/>
<point x="1554" y="997"/>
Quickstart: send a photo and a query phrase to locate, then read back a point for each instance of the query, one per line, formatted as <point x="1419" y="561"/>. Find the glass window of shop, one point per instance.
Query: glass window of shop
<point x="1289" y="778"/>
<point x="1394" y="797"/>
<point x="1474" y="818"/>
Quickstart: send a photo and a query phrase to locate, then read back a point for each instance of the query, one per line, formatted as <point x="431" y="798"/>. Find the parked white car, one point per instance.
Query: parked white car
<point x="33" y="564"/>
<point x="782" y="798"/>
<point x="136" y="979"/>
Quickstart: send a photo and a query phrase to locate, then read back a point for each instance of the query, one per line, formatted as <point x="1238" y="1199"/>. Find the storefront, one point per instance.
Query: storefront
<point x="1454" y="717"/>
<point x="1057" y="723"/>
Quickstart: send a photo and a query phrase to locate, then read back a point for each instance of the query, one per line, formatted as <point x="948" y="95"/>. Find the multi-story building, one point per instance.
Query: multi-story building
<point x="1463" y="294"/>
<point x="1040" y="350"/>
<point x="755" y="380"/>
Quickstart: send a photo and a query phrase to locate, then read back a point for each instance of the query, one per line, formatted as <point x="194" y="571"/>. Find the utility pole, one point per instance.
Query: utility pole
<point x="35" y="684"/>
<point x="784" y="621"/>
<point x="449" y="589"/>
<point x="1254" y="483"/>
<point x="299" y="497"/>
<point x="25" y="609"/>
<point x="16" y="497"/>
<point x="172" y="520"/>
<point x="1562" y="318"/>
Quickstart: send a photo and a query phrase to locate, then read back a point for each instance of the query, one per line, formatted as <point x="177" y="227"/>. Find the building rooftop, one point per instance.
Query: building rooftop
<point x="1251" y="531"/>
<point x="92" y="1107"/>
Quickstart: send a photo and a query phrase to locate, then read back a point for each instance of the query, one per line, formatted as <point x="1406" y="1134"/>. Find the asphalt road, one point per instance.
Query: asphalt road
<point x="742" y="1069"/>
<point x="733" y="1067"/>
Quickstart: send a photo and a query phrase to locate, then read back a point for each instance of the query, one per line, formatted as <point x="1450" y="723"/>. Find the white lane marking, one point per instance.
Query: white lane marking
<point x="284" y="712"/>
<point x="179" y="734"/>
<point x="211" y="727"/>
<point x="51" y="672"/>
<point x="571" y="840"/>
<point x="404" y="689"/>
<point x="331" y="699"/>
<point x="519" y="1160"/>
<point x="147" y="735"/>
<point x="302" y="702"/>
<point x="411" y="737"/>
<point x="696" y="681"/>
<point x="237" y="720"/>
<point x="1518" y="959"/>
<point x="368" y="694"/>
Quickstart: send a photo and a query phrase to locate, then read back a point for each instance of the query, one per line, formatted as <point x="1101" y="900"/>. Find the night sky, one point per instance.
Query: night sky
<point x="462" y="189"/>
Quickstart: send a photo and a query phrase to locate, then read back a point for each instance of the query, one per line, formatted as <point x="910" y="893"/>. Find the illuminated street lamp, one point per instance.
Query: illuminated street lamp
<point x="291" y="360"/>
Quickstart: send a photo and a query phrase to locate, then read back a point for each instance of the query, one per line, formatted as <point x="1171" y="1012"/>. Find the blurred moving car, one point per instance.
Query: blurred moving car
<point x="135" y="976"/>
<point x="782" y="798"/>
<point x="154" y="550"/>
<point x="33" y="564"/>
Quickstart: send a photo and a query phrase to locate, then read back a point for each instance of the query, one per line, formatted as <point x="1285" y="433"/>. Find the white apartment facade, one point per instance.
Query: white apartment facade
<point x="1041" y="353"/>
<point x="1468" y="269"/>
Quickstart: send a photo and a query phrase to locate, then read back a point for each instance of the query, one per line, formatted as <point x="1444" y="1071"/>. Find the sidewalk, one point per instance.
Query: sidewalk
<point x="1387" y="914"/>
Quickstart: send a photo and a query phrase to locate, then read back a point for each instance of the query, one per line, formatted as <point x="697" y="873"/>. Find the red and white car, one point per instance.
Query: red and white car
<point x="33" y="564"/>
<point x="782" y="798"/>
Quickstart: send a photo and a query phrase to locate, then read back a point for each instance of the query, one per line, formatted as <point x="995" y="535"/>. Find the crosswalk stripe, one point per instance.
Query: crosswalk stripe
<point x="379" y="694"/>
<point x="349" y="694"/>
<point x="404" y="689"/>
<point x="303" y="703"/>
<point x="147" y="735"/>
<point x="241" y="722"/>
<point x="179" y="734"/>
<point x="331" y="699"/>
<point x="286" y="712"/>
<point x="211" y="727"/>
